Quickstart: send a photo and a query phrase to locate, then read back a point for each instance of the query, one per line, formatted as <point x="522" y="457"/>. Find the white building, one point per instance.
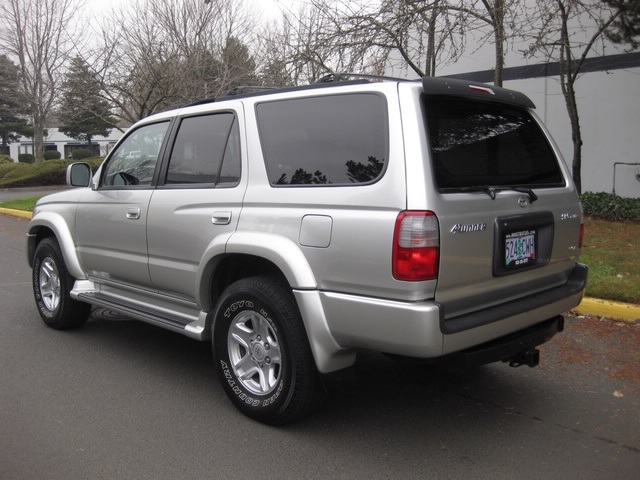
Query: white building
<point x="56" y="140"/>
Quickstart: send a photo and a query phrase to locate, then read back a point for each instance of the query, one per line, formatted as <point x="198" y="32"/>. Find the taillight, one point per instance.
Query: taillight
<point x="416" y="246"/>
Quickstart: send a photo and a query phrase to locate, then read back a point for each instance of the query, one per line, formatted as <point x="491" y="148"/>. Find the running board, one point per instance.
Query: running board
<point x="189" y="322"/>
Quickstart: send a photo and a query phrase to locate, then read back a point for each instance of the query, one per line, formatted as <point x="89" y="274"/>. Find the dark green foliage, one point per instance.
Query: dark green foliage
<point x="626" y="28"/>
<point x="26" y="158"/>
<point x="84" y="113"/>
<point x="5" y="159"/>
<point x="610" y="206"/>
<point x="52" y="155"/>
<point x="52" y="172"/>
<point x="12" y="104"/>
<point x="82" y="153"/>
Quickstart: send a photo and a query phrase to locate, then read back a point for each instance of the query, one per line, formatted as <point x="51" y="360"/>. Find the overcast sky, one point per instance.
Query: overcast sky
<point x="269" y="8"/>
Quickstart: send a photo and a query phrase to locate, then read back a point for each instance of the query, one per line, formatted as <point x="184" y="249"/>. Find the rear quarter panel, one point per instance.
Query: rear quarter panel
<point x="344" y="232"/>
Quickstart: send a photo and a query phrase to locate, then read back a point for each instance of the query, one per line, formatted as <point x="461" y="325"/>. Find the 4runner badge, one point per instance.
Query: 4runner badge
<point x="468" y="228"/>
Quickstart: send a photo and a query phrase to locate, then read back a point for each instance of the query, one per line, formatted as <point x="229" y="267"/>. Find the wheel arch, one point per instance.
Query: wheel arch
<point x="249" y="254"/>
<point x="49" y="224"/>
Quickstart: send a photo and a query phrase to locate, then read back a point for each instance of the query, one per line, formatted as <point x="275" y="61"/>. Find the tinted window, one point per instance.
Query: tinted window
<point x="134" y="161"/>
<point x="206" y="150"/>
<point x="338" y="139"/>
<point x="476" y="144"/>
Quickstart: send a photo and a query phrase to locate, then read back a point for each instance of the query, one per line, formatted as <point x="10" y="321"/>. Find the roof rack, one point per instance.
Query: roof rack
<point x="326" y="81"/>
<point x="344" y="76"/>
<point x="200" y="102"/>
<point x="247" y="90"/>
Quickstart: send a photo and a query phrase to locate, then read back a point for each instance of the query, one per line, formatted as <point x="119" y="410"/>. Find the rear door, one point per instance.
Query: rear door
<point x="509" y="216"/>
<point x="198" y="199"/>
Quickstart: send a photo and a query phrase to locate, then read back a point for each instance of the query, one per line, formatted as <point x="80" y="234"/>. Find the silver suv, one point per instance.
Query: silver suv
<point x="430" y="219"/>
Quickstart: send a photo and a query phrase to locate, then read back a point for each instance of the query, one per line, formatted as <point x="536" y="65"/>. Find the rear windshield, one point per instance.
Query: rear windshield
<point x="476" y="144"/>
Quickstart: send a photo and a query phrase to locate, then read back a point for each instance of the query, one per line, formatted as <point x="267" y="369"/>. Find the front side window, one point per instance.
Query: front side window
<point x="475" y="144"/>
<point x="325" y="140"/>
<point x="134" y="161"/>
<point x="206" y="151"/>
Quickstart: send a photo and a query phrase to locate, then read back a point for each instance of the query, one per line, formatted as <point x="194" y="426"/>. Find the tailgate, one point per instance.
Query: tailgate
<point x="509" y="214"/>
<point x="496" y="251"/>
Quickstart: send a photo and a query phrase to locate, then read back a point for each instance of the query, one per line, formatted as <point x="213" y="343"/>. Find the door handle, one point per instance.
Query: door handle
<point x="221" y="218"/>
<point x="133" y="213"/>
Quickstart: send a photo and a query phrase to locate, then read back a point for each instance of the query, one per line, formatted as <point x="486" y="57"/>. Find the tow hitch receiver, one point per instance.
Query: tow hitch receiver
<point x="530" y="358"/>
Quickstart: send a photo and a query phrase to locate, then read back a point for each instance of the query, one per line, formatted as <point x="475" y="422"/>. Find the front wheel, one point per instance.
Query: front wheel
<point x="52" y="285"/>
<point x="262" y="354"/>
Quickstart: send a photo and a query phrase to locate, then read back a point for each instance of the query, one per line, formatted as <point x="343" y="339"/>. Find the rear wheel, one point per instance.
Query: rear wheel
<point x="52" y="285"/>
<point x="262" y="353"/>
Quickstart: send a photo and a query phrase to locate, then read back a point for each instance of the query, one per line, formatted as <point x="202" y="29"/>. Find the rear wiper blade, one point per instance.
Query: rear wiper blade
<point x="532" y="196"/>
<point x="491" y="190"/>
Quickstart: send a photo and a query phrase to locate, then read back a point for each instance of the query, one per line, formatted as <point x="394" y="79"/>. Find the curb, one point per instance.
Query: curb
<point x="15" y="213"/>
<point x="627" y="312"/>
<point x="589" y="306"/>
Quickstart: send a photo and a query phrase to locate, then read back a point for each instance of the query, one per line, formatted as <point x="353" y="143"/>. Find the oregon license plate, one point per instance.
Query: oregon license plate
<point x="520" y="249"/>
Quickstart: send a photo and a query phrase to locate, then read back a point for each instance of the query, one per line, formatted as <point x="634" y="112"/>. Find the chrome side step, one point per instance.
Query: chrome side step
<point x="187" y="320"/>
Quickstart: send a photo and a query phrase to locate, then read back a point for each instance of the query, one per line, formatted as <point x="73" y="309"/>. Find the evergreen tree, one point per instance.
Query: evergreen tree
<point x="237" y="66"/>
<point x="83" y="112"/>
<point x="13" y="110"/>
<point x="626" y="28"/>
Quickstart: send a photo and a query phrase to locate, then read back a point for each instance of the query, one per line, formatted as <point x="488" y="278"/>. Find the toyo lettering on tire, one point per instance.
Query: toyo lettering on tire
<point x="52" y="285"/>
<point x="262" y="354"/>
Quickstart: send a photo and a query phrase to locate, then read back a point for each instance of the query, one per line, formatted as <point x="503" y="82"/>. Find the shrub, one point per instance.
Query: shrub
<point x="26" y="158"/>
<point x="52" y="155"/>
<point x="81" y="153"/>
<point x="95" y="162"/>
<point x="610" y="206"/>
<point x="5" y="159"/>
<point x="39" y="174"/>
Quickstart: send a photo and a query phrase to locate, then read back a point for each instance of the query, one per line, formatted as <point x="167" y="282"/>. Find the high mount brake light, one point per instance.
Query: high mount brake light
<point x="479" y="89"/>
<point x="416" y="246"/>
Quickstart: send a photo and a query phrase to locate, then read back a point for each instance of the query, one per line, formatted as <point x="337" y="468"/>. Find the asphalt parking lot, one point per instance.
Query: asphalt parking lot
<point x="119" y="399"/>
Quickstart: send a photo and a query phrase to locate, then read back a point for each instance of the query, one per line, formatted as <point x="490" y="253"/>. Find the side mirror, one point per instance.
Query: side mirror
<point x="79" y="175"/>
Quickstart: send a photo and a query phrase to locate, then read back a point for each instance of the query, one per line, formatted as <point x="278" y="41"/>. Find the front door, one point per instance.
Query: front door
<point x="111" y="220"/>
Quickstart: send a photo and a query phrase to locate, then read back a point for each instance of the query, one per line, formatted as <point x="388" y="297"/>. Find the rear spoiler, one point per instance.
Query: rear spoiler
<point x="462" y="88"/>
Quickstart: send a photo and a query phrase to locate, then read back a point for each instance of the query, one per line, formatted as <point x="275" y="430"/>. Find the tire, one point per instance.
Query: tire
<point x="52" y="285"/>
<point x="262" y="354"/>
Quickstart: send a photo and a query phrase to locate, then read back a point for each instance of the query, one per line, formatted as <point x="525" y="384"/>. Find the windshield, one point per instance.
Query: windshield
<point x="477" y="143"/>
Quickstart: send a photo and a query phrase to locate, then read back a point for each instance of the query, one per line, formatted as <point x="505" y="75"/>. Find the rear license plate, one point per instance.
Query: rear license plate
<point x="520" y="249"/>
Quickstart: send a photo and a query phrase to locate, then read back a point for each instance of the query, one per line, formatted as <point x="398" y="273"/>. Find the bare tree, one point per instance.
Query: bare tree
<point x="495" y="21"/>
<point x="158" y="54"/>
<point x="569" y="31"/>
<point x="364" y="36"/>
<point x="417" y="33"/>
<point x="38" y="35"/>
<point x="302" y="46"/>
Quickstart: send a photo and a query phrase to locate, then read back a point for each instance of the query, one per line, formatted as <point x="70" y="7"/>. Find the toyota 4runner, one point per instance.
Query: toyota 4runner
<point x="431" y="219"/>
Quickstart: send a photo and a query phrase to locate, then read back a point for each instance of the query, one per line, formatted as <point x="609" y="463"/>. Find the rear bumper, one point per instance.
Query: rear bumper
<point x="421" y="330"/>
<point x="574" y="286"/>
<point x="505" y="348"/>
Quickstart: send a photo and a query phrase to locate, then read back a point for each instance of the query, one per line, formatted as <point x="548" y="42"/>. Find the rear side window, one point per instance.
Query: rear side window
<point x="478" y="144"/>
<point x="206" y="151"/>
<point x="325" y="140"/>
